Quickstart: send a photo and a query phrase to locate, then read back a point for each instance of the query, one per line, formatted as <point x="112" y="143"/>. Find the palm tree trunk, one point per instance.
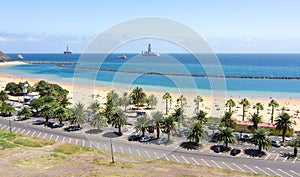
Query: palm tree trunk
<point x="60" y="121"/>
<point x="119" y="129"/>
<point x="229" y="108"/>
<point x="47" y="118"/>
<point x="157" y="131"/>
<point x="143" y="132"/>
<point x="226" y="144"/>
<point x="243" y="113"/>
<point x="283" y="134"/>
<point x="257" y="110"/>
<point x="166" y="106"/>
<point x="272" y="114"/>
<point x="259" y="148"/>
<point x="198" y="106"/>
<point x="295" y="151"/>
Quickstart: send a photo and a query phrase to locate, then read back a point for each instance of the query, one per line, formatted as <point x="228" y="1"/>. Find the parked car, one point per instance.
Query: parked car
<point x="48" y="124"/>
<point x="38" y="122"/>
<point x="218" y="148"/>
<point x="146" y="139"/>
<point x="56" y="125"/>
<point x="134" y="137"/>
<point x="276" y="143"/>
<point x="19" y="119"/>
<point x="161" y="140"/>
<point x="72" y="128"/>
<point x="246" y="138"/>
<point x="235" y="152"/>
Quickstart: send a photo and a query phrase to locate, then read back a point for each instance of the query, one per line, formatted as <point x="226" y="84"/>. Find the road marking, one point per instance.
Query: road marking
<point x="13" y="128"/>
<point x="216" y="164"/>
<point x="33" y="133"/>
<point x="45" y="136"/>
<point x="267" y="156"/>
<point x="295" y="160"/>
<point x="3" y="127"/>
<point x="23" y="131"/>
<point x="227" y="166"/>
<point x="18" y="130"/>
<point x="204" y="149"/>
<point x="129" y="151"/>
<point x="63" y="140"/>
<point x="7" y="128"/>
<point x="295" y="172"/>
<point x="91" y="144"/>
<point x="156" y="155"/>
<point x="175" y="157"/>
<point x="147" y="154"/>
<point x="166" y="156"/>
<point x="138" y="152"/>
<point x="76" y="141"/>
<point x="56" y="138"/>
<point x="238" y="167"/>
<point x="205" y="162"/>
<point x="28" y="132"/>
<point x="39" y="134"/>
<point x="262" y="170"/>
<point x="197" y="163"/>
<point x="70" y="140"/>
<point x="250" y="169"/>
<point x="285" y="172"/>
<point x="122" y="150"/>
<point x="273" y="171"/>
<point x="50" y="137"/>
<point x="185" y="160"/>
<point x="82" y="142"/>
<point x="276" y="157"/>
<point x="105" y="147"/>
<point x="285" y="159"/>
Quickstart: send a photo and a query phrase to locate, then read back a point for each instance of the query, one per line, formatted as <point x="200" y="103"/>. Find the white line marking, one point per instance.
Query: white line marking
<point x="197" y="163"/>
<point x="129" y="151"/>
<point x="50" y="137"/>
<point x="204" y="149"/>
<point x="185" y="160"/>
<point x="82" y="142"/>
<point x="23" y="131"/>
<point x="216" y="164"/>
<point x="295" y="172"/>
<point x="18" y="130"/>
<point x="250" y="169"/>
<point x="138" y="152"/>
<point x="33" y="133"/>
<point x="285" y="172"/>
<point x="70" y="140"/>
<point x="63" y="140"/>
<point x="13" y="128"/>
<point x="147" y="154"/>
<point x="273" y="171"/>
<point x="166" y="156"/>
<point x="227" y="166"/>
<point x="156" y="155"/>
<point x="39" y="134"/>
<point x="122" y="150"/>
<point x="76" y="141"/>
<point x="7" y="128"/>
<point x="267" y="156"/>
<point x="276" y="157"/>
<point x="205" y="162"/>
<point x="295" y="160"/>
<point x="28" y="132"/>
<point x="45" y="136"/>
<point x="91" y="145"/>
<point x="175" y="157"/>
<point x="56" y="138"/>
<point x="238" y="167"/>
<point x="3" y="127"/>
<point x="262" y="170"/>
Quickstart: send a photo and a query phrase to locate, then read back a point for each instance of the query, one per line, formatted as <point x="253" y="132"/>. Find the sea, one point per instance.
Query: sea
<point x="259" y="75"/>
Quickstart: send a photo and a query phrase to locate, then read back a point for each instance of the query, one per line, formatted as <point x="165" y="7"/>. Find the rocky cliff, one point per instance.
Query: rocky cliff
<point x="4" y="57"/>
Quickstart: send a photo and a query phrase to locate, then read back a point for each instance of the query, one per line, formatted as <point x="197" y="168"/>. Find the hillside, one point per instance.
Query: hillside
<point x="4" y="57"/>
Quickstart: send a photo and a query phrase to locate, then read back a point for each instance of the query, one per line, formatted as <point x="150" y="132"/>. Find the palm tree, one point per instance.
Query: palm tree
<point x="227" y="120"/>
<point x="284" y="123"/>
<point x="230" y="103"/>
<point x="261" y="139"/>
<point x="182" y="101"/>
<point x="25" y="111"/>
<point x="273" y="104"/>
<point x="98" y="120"/>
<point x="6" y="108"/>
<point x="60" y="114"/>
<point x="201" y="117"/>
<point x="119" y="118"/>
<point x="157" y="118"/>
<point x="178" y="114"/>
<point x="168" y="98"/>
<point x="64" y="102"/>
<point x="226" y="136"/>
<point x="79" y="114"/>
<point x="47" y="111"/>
<point x="168" y="125"/>
<point x="138" y="96"/>
<point x="142" y="123"/>
<point x="94" y="107"/>
<point x="124" y="100"/>
<point x="3" y="96"/>
<point x="151" y="101"/>
<point x="255" y="119"/>
<point x="196" y="134"/>
<point x="36" y="104"/>
<point x="245" y="103"/>
<point x="112" y="98"/>
<point x="198" y="100"/>
<point x="294" y="144"/>
<point x="258" y="107"/>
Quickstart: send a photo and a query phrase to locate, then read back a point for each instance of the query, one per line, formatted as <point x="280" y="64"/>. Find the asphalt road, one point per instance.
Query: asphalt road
<point x="272" y="164"/>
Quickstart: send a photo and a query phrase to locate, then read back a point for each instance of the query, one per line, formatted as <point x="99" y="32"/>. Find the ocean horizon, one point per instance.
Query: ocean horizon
<point x="259" y="75"/>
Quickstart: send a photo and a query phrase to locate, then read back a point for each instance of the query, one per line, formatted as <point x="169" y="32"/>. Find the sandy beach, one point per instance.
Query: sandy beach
<point x="214" y="106"/>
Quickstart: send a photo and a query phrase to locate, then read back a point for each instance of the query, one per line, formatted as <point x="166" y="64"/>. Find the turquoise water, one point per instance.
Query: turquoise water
<point x="158" y="71"/>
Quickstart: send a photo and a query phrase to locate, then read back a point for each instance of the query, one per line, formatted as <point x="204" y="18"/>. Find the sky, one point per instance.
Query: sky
<point x="231" y="26"/>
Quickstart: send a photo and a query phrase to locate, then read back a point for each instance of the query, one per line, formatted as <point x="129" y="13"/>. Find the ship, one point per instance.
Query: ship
<point x="67" y="51"/>
<point x="20" y="56"/>
<point x="149" y="52"/>
<point x="122" y="57"/>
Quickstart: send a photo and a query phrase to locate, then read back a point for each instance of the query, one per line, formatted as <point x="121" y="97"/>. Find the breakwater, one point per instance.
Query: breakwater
<point x="60" y="64"/>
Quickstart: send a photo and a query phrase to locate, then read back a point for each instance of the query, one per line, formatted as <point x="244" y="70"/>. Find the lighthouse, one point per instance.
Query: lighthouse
<point x="149" y="48"/>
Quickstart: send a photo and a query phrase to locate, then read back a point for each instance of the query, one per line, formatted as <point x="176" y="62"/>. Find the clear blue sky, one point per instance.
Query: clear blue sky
<point x="228" y="25"/>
